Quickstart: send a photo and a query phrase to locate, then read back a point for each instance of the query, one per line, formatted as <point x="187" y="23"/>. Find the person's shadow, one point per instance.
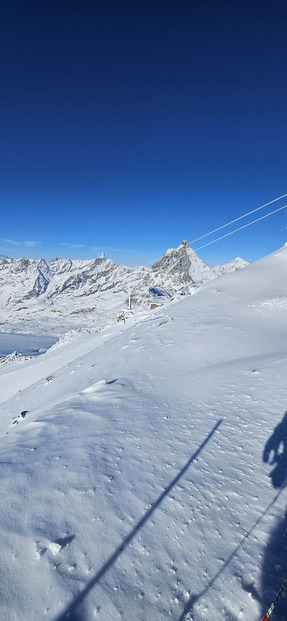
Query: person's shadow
<point x="275" y="453"/>
<point x="274" y="568"/>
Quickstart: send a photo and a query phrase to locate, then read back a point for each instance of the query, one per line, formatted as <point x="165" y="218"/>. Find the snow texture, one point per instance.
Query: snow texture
<point x="136" y="462"/>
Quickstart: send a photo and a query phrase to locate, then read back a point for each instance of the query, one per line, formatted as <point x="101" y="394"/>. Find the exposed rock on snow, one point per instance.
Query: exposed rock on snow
<point x="54" y="292"/>
<point x="183" y="265"/>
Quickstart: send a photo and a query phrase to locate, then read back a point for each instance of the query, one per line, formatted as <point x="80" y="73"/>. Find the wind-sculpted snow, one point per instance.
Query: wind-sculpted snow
<point x="69" y="294"/>
<point x="136" y="461"/>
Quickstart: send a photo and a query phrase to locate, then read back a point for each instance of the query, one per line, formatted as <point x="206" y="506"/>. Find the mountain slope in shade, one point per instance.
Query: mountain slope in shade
<point x="135" y="463"/>
<point x="67" y="293"/>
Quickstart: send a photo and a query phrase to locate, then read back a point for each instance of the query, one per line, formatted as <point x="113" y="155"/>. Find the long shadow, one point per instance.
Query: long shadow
<point x="197" y="596"/>
<point x="70" y="611"/>
<point x="275" y="453"/>
<point x="274" y="568"/>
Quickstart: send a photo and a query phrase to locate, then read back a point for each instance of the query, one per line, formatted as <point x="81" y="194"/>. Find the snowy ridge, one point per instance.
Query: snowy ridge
<point x="231" y="266"/>
<point x="135" y="477"/>
<point x="83" y="292"/>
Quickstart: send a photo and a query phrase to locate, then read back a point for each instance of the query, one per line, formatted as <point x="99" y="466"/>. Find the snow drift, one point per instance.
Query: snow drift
<point x="133" y="481"/>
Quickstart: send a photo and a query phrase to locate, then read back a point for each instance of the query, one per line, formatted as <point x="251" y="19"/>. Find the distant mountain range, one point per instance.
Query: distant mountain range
<point x="66" y="294"/>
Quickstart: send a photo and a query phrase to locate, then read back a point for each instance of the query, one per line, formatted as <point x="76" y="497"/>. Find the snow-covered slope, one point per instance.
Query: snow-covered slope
<point x="231" y="266"/>
<point x="133" y="484"/>
<point x="62" y="294"/>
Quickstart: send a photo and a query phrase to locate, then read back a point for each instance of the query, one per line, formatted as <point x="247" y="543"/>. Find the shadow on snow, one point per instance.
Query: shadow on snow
<point x="73" y="611"/>
<point x="274" y="568"/>
<point x="195" y="597"/>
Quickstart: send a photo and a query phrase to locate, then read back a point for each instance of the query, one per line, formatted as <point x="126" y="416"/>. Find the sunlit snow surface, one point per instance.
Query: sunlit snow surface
<point x="133" y="484"/>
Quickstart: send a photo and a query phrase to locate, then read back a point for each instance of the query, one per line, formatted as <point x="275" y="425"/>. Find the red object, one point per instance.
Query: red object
<point x="265" y="618"/>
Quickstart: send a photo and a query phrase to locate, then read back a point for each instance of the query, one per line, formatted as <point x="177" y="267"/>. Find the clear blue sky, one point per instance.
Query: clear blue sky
<point x="129" y="126"/>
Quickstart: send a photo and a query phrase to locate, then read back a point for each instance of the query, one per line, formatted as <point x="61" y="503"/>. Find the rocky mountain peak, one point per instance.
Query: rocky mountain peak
<point x="60" y="288"/>
<point x="184" y="263"/>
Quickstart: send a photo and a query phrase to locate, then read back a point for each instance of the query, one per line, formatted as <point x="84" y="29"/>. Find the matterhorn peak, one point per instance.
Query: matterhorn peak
<point x="183" y="263"/>
<point x="72" y="289"/>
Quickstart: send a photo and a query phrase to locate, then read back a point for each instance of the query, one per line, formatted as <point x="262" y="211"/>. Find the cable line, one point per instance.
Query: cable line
<point x="229" y="223"/>
<point x="236" y="219"/>
<point x="240" y="228"/>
